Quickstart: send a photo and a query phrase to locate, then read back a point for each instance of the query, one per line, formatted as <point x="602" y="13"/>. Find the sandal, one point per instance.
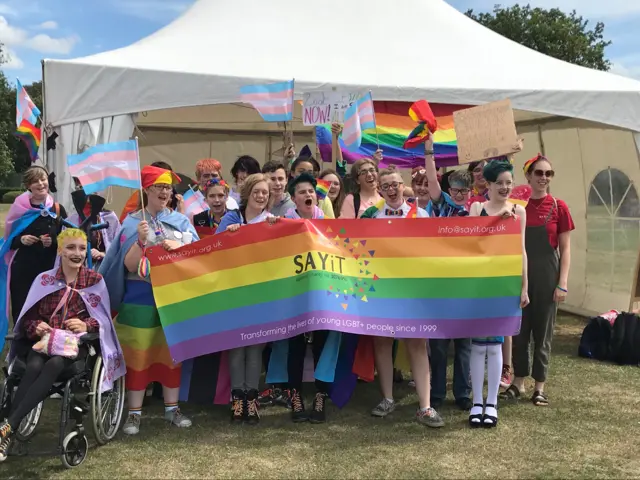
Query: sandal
<point x="511" y="393"/>
<point x="475" y="421"/>
<point x="540" y="399"/>
<point x="489" y="421"/>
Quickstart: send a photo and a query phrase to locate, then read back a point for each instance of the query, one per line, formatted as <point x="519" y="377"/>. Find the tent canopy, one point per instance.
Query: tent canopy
<point x="406" y="51"/>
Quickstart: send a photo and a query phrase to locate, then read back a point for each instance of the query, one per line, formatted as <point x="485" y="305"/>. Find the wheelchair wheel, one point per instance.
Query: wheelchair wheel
<point x="106" y="407"/>
<point x="74" y="449"/>
<point x="29" y="423"/>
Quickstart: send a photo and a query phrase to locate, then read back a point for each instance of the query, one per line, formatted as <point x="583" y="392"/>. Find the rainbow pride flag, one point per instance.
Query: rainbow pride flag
<point x="406" y="278"/>
<point x="31" y="136"/>
<point x="393" y="127"/>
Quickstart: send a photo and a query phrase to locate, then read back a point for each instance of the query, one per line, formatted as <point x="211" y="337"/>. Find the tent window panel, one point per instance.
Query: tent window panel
<point x="613" y="231"/>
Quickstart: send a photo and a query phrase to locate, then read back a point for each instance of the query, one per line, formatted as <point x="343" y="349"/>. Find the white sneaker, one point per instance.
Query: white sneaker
<point x="177" y="418"/>
<point x="132" y="425"/>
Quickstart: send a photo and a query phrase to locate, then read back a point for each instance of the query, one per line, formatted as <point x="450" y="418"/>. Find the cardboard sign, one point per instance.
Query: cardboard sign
<point x="486" y="131"/>
<point x="326" y="107"/>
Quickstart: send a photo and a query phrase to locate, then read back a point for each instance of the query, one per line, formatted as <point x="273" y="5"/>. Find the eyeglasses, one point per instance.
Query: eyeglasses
<point x="386" y="186"/>
<point x="544" y="173"/>
<point x="367" y="171"/>
<point x="459" y="191"/>
<point x="162" y="188"/>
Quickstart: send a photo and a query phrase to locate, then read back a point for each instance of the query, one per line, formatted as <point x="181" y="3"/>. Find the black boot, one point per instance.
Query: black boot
<point x="298" y="414"/>
<point x="253" y="414"/>
<point x="238" y="406"/>
<point x="319" y="414"/>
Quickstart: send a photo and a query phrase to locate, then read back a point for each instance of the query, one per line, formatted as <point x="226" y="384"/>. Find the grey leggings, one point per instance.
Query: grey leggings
<point x="245" y="367"/>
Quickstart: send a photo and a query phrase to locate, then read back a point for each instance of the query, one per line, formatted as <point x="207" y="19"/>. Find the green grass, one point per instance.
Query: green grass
<point x="591" y="429"/>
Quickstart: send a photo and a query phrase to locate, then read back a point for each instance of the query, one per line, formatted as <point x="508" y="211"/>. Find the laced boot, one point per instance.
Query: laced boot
<point x="298" y="414"/>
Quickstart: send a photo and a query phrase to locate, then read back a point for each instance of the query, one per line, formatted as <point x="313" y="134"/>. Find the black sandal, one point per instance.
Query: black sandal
<point x="489" y="421"/>
<point x="511" y="393"/>
<point x="540" y="399"/>
<point x="477" y="416"/>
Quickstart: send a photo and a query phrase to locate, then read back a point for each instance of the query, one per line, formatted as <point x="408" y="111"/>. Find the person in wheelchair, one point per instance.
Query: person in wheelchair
<point x="63" y="304"/>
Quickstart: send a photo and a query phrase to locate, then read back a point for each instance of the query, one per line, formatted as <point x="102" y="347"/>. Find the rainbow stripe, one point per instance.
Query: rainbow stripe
<point x="322" y="189"/>
<point x="31" y="136"/>
<point x="274" y="102"/>
<point x="25" y="108"/>
<point x="393" y="127"/>
<point x="442" y="278"/>
<point x="358" y="117"/>
<point x="105" y="165"/>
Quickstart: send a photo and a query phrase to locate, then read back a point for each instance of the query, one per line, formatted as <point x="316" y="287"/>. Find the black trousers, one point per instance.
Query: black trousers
<point x="295" y="361"/>
<point x="42" y="372"/>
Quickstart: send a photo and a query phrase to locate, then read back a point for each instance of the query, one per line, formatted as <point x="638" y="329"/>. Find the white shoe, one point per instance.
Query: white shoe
<point x="177" y="418"/>
<point x="132" y="425"/>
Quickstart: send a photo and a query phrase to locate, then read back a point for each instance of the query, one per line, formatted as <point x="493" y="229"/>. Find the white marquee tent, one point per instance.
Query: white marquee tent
<point x="406" y="51"/>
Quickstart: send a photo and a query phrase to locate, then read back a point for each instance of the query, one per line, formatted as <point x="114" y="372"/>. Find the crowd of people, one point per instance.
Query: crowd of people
<point x="36" y="241"/>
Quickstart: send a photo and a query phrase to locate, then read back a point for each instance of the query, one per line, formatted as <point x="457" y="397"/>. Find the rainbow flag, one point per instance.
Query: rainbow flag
<point x="105" y="165"/>
<point x="31" y="136"/>
<point x="274" y="102"/>
<point x="393" y="127"/>
<point x="406" y="278"/>
<point x="322" y="188"/>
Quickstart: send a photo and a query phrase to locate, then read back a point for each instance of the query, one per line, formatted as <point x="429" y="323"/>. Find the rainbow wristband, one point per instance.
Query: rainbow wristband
<point x="561" y="289"/>
<point x="141" y="245"/>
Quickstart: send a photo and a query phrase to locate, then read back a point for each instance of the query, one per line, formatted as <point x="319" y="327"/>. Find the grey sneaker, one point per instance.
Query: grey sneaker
<point x="132" y="425"/>
<point x="430" y="418"/>
<point x="177" y="418"/>
<point x="384" y="408"/>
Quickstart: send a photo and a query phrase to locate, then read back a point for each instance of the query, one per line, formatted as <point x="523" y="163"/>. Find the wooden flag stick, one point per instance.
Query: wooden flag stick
<point x="140" y="174"/>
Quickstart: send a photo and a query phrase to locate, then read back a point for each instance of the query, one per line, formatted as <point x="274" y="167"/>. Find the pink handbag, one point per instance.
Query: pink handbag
<point x="58" y="342"/>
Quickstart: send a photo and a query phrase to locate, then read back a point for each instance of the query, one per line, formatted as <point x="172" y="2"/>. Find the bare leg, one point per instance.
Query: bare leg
<point x="383" y="353"/>
<point x="135" y="399"/>
<point x="170" y="395"/>
<point x="419" y="359"/>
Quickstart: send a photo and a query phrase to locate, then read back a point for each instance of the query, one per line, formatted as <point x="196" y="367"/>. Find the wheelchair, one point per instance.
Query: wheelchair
<point x="79" y="387"/>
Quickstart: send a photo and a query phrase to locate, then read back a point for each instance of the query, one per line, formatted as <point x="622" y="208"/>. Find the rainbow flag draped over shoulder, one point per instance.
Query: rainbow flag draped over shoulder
<point x="393" y="127"/>
<point x="442" y="278"/>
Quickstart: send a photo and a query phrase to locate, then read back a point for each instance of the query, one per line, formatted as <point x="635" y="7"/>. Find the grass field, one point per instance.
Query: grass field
<point x="590" y="430"/>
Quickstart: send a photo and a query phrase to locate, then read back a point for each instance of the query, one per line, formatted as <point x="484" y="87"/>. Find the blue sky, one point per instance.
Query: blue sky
<point x="36" y="29"/>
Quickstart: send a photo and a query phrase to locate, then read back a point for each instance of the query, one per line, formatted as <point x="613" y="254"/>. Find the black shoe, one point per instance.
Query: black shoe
<point x="267" y="396"/>
<point x="253" y="407"/>
<point x="298" y="413"/>
<point x="476" y="420"/>
<point x="436" y="403"/>
<point x="319" y="414"/>
<point x="464" y="403"/>
<point x="489" y="421"/>
<point x="238" y="406"/>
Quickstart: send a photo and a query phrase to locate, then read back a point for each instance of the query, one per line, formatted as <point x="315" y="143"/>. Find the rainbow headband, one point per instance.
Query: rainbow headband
<point x="531" y="161"/>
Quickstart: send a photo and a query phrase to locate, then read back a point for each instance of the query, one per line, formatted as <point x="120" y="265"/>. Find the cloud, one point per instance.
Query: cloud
<point x="11" y="60"/>
<point x="11" y="35"/>
<point x="48" y="25"/>
<point x="159" y="11"/>
<point x="7" y="10"/>
<point x="15" y="37"/>
<point x="628" y="66"/>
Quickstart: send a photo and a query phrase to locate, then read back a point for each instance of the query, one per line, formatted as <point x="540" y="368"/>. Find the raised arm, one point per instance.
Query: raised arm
<point x="133" y="256"/>
<point x="435" y="192"/>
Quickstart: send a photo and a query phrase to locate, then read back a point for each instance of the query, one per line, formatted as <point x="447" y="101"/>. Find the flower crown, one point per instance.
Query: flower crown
<point x="214" y="182"/>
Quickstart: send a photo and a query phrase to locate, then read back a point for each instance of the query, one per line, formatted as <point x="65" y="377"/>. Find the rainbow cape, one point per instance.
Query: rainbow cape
<point x="31" y="136"/>
<point x="441" y="278"/>
<point x="394" y="125"/>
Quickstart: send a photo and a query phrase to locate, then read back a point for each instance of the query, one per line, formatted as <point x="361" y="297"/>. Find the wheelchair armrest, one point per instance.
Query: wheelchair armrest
<point x="89" y="338"/>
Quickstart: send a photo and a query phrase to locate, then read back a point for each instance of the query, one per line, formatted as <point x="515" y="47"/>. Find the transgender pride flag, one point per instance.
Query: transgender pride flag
<point x="106" y="165"/>
<point x="274" y="102"/>
<point x="194" y="203"/>
<point x="358" y="117"/>
<point x="25" y="108"/>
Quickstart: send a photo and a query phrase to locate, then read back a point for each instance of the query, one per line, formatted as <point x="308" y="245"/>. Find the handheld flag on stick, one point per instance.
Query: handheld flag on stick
<point x="421" y="112"/>
<point x="322" y="189"/>
<point x="274" y="102"/>
<point x="358" y="117"/>
<point x="31" y="136"/>
<point x="194" y="203"/>
<point x="25" y="108"/>
<point x="109" y="164"/>
<point x="413" y="211"/>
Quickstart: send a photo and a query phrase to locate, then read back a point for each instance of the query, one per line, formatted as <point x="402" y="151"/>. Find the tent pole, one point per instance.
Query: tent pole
<point x="43" y="127"/>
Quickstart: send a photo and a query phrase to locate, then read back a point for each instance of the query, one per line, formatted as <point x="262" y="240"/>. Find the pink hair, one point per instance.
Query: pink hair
<point x="208" y="164"/>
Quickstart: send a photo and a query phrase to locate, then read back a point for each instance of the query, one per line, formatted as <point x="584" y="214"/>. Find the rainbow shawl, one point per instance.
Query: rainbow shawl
<point x="20" y="216"/>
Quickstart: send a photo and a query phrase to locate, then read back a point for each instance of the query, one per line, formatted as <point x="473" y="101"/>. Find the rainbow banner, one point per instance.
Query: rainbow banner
<point x="393" y="127"/>
<point x="406" y="278"/>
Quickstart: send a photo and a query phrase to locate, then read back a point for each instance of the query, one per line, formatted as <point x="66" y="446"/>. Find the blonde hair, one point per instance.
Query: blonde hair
<point x="33" y="174"/>
<point x="355" y="171"/>
<point x="250" y="182"/>
<point x="72" y="233"/>
<point x="390" y="170"/>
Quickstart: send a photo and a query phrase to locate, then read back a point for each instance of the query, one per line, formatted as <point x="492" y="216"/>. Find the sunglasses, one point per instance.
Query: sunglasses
<point x="544" y="173"/>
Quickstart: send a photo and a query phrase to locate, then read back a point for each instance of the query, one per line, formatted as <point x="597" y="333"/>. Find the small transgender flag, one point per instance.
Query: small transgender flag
<point x="358" y="117"/>
<point x="194" y="203"/>
<point x="25" y="108"/>
<point x="106" y="165"/>
<point x="274" y="102"/>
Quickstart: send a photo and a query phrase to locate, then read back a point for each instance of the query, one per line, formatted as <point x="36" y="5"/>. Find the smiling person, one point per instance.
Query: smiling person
<point x="32" y="225"/>
<point x="244" y="166"/>
<point x="420" y="186"/>
<point x="548" y="249"/>
<point x="336" y="191"/>
<point x="138" y="325"/>
<point x="245" y="363"/>
<point x="393" y="205"/>
<point x="488" y="350"/>
<point x="58" y="305"/>
<point x="216" y="194"/>
<point x="364" y="173"/>
<point x="208" y="169"/>
<point x="279" y="198"/>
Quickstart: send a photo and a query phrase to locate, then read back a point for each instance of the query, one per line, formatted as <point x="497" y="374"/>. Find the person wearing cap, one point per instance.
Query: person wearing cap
<point x="138" y="325"/>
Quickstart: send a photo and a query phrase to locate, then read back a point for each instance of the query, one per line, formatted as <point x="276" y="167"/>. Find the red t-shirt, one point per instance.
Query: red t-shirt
<point x="559" y="222"/>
